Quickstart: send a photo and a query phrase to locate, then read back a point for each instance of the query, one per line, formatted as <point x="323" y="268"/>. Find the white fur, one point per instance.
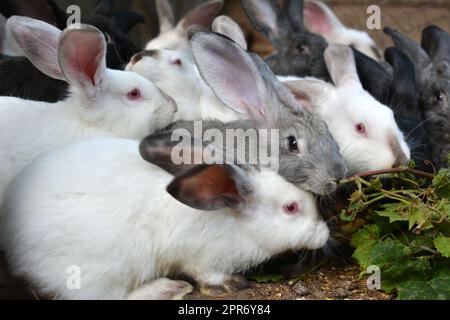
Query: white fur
<point x="182" y="82"/>
<point x="175" y="37"/>
<point x="334" y="31"/>
<point x="99" y="206"/>
<point x="30" y="128"/>
<point x="346" y="105"/>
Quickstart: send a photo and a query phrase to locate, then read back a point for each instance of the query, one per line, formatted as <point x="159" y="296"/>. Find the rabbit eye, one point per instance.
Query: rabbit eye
<point x="440" y="97"/>
<point x="108" y="38"/>
<point x="293" y="145"/>
<point x="361" y="128"/>
<point x="134" y="94"/>
<point x="177" y="62"/>
<point x="291" y="208"/>
<point x="304" y="49"/>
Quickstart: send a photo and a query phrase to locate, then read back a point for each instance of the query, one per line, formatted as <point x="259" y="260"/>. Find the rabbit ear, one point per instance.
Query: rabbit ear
<point x="39" y="42"/>
<point x="165" y="15"/>
<point x="320" y="19"/>
<point x="268" y="18"/>
<point x="211" y="187"/>
<point x="417" y="55"/>
<point x="159" y="149"/>
<point x="202" y="15"/>
<point x="404" y="91"/>
<point x="126" y="20"/>
<point x="233" y="76"/>
<point x="104" y="7"/>
<point x="228" y="27"/>
<point x="436" y="43"/>
<point x="341" y="65"/>
<point x="374" y="78"/>
<point x="2" y="30"/>
<point x="294" y="11"/>
<point x="310" y="92"/>
<point x="60" y="15"/>
<point x="81" y="55"/>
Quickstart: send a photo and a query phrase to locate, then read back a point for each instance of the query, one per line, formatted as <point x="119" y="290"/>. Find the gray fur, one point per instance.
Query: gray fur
<point x="319" y="165"/>
<point x="432" y="63"/>
<point x="298" y="51"/>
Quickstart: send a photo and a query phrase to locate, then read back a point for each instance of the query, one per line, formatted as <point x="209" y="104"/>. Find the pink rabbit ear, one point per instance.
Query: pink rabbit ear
<point x="82" y="58"/>
<point x="320" y="19"/>
<point x="202" y="15"/>
<point x="165" y="15"/>
<point x="39" y="42"/>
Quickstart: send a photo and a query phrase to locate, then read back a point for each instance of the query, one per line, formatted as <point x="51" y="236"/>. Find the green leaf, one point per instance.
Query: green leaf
<point x="395" y="212"/>
<point x="442" y="244"/>
<point x="370" y="233"/>
<point x="266" y="278"/>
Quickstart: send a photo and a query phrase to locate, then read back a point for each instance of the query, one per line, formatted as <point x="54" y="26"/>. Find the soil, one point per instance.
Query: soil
<point x="335" y="280"/>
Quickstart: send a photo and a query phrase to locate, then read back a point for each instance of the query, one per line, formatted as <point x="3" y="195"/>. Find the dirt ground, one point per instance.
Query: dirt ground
<point x="336" y="280"/>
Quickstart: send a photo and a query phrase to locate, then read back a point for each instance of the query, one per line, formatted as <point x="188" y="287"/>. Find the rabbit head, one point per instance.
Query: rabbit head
<point x="124" y="102"/>
<point x="308" y="155"/>
<point x="175" y="74"/>
<point x="291" y="217"/>
<point x="320" y="19"/>
<point x="432" y="64"/>
<point x="175" y="36"/>
<point x="298" y="52"/>
<point x="365" y="130"/>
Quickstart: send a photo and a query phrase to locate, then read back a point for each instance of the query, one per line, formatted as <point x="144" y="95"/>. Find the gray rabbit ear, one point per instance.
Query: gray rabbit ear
<point x="436" y="43"/>
<point x="234" y="77"/>
<point x="294" y="11"/>
<point x="415" y="52"/>
<point x="373" y="76"/>
<point x="403" y="93"/>
<point x="211" y="187"/>
<point x="341" y="65"/>
<point x="228" y="27"/>
<point x="268" y="18"/>
<point x="166" y="16"/>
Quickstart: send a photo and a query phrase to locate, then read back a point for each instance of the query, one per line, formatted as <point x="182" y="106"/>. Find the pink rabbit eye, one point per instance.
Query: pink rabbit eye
<point x="292" y="208"/>
<point x="134" y="94"/>
<point x="361" y="128"/>
<point x="177" y="62"/>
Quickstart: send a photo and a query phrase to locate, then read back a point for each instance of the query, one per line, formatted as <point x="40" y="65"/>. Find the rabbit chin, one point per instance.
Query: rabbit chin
<point x="362" y="159"/>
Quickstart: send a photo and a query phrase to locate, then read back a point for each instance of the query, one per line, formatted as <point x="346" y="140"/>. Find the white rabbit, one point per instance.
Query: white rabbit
<point x="174" y="73"/>
<point x="365" y="130"/>
<point x="320" y="19"/>
<point x="98" y="208"/>
<point x="102" y="102"/>
<point x="8" y="46"/>
<point x="175" y="37"/>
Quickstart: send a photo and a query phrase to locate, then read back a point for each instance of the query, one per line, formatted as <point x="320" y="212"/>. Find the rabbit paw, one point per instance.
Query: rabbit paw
<point x="162" y="289"/>
<point x="230" y="285"/>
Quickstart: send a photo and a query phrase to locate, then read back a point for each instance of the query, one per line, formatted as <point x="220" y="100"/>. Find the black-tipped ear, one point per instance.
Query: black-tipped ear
<point x="208" y="187"/>
<point x="60" y="15"/>
<point x="172" y="152"/>
<point x="374" y="78"/>
<point x="126" y="20"/>
<point x="436" y="42"/>
<point x="268" y="18"/>
<point x="294" y="11"/>
<point x="413" y="50"/>
<point x="403" y="95"/>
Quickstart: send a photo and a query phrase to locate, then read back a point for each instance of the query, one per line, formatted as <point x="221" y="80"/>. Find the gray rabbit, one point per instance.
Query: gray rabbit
<point x="298" y="51"/>
<point x="307" y="154"/>
<point x="432" y="63"/>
